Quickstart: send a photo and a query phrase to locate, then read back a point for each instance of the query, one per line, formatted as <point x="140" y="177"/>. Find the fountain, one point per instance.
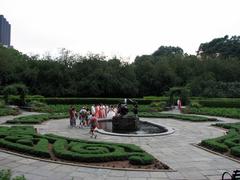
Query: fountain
<point x="126" y="123"/>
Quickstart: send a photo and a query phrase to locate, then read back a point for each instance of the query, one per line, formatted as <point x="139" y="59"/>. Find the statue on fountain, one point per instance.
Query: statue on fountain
<point x="123" y="122"/>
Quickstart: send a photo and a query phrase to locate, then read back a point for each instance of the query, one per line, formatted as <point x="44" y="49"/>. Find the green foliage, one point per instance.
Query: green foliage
<point x="15" y="89"/>
<point x="24" y="139"/>
<point x="225" y="103"/>
<point x="37" y="119"/>
<point x="71" y="75"/>
<point x="168" y="51"/>
<point x="228" y="143"/>
<point x="225" y="47"/>
<point x="7" y="174"/>
<point x="236" y="150"/>
<point x="176" y="116"/>
<point x="9" y="111"/>
<point x="194" y="104"/>
<point x="222" y="112"/>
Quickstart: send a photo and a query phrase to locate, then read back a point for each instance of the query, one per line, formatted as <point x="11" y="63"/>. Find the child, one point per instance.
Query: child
<point x="93" y="125"/>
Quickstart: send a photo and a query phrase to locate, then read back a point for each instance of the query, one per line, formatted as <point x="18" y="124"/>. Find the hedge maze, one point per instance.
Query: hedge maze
<point x="24" y="139"/>
<point x="228" y="144"/>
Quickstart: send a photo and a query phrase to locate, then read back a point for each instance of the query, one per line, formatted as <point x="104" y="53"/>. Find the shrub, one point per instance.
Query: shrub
<point x="214" y="145"/>
<point x="225" y="103"/>
<point x="195" y="104"/>
<point x="141" y="159"/>
<point x="7" y="174"/>
<point x="235" y="151"/>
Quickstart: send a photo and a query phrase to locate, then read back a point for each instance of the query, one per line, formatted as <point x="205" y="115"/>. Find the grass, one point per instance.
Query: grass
<point x="24" y="139"/>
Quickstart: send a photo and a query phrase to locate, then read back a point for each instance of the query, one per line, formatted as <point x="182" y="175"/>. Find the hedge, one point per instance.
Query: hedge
<point x="176" y="116"/>
<point x="222" y="112"/>
<point x="70" y="148"/>
<point x="37" y="119"/>
<point x="228" y="143"/>
<point x="235" y="151"/>
<point x="227" y="103"/>
<point x="90" y="100"/>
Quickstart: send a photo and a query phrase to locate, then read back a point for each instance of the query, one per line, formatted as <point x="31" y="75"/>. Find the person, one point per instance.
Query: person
<point x="82" y="115"/>
<point x="72" y="116"/>
<point x="93" y="125"/>
<point x="111" y="112"/>
<point x="179" y="104"/>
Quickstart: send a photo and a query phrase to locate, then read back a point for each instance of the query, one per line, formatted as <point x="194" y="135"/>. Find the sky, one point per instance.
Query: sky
<point x="122" y="28"/>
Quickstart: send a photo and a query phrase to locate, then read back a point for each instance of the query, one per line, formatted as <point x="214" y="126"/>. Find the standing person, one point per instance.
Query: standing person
<point x="72" y="116"/>
<point x="93" y="125"/>
<point x="93" y="109"/>
<point x="179" y="103"/>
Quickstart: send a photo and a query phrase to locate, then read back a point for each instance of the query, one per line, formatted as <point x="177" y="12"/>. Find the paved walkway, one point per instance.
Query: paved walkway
<point x="175" y="150"/>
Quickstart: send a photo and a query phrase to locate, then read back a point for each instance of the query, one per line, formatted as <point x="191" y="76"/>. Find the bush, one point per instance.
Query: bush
<point x="224" y="103"/>
<point x="222" y="112"/>
<point x="69" y="148"/>
<point x="7" y="174"/>
<point x="195" y="104"/>
<point x="176" y="116"/>
<point x="235" y="151"/>
<point x="88" y="100"/>
<point x="37" y="119"/>
<point x="214" y="145"/>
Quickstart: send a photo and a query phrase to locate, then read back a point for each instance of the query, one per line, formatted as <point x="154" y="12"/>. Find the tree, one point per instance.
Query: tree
<point x="221" y="47"/>
<point x="168" y="51"/>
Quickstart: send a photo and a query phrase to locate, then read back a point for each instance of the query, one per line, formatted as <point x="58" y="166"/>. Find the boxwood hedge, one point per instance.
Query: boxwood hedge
<point x="24" y="139"/>
<point x="228" y="143"/>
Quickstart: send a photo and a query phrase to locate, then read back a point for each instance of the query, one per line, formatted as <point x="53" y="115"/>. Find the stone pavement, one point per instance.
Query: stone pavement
<point x="175" y="150"/>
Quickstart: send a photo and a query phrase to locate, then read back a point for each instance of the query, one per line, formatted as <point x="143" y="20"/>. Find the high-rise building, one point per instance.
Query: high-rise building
<point x="5" y="32"/>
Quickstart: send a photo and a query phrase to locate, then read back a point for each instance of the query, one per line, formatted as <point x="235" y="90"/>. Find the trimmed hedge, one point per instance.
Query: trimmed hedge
<point x="37" y="119"/>
<point x="235" y="151"/>
<point x="176" y="116"/>
<point x="226" y="103"/>
<point x="222" y="112"/>
<point x="228" y="143"/>
<point x="88" y="100"/>
<point x="69" y="148"/>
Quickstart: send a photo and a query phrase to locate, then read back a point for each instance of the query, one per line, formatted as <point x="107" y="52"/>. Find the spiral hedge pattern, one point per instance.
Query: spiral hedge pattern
<point x="24" y="139"/>
<point x="228" y="143"/>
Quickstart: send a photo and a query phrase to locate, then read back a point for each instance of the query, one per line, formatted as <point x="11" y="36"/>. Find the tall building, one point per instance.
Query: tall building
<point x="5" y="32"/>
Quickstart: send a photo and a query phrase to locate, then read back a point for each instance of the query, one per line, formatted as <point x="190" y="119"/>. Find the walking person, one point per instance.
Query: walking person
<point x="93" y="125"/>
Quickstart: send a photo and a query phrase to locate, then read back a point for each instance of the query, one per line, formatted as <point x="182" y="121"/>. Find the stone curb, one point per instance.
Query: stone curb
<point x="217" y="153"/>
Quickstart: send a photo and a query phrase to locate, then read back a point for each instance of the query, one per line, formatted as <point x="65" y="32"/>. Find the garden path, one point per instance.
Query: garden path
<point x="175" y="150"/>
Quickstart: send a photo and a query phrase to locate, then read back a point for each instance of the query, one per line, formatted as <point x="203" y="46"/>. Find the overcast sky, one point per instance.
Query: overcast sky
<point x="118" y="27"/>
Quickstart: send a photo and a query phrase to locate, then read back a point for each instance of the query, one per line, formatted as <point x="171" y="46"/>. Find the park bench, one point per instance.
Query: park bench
<point x="234" y="176"/>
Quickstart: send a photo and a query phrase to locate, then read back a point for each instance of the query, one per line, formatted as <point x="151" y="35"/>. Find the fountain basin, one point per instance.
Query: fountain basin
<point x="146" y="129"/>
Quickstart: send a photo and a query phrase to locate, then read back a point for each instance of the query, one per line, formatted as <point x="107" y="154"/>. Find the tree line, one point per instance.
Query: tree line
<point x="213" y="72"/>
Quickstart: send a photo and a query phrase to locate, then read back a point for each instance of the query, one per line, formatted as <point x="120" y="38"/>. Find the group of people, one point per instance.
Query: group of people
<point x="88" y="117"/>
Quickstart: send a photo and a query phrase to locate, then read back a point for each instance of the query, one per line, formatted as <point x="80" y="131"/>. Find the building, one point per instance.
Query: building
<point x="5" y="32"/>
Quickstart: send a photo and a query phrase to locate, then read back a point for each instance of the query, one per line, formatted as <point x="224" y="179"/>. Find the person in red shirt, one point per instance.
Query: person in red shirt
<point x="93" y="125"/>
